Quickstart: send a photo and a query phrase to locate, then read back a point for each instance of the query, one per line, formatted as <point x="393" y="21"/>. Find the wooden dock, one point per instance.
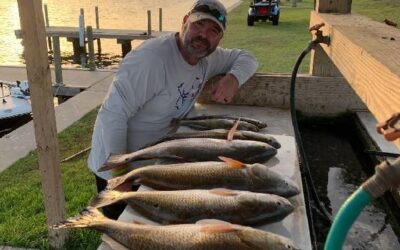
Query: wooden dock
<point x="123" y="36"/>
<point x="119" y="34"/>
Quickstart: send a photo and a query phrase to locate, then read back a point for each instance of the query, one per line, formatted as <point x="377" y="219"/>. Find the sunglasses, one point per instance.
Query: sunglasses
<point x="214" y="12"/>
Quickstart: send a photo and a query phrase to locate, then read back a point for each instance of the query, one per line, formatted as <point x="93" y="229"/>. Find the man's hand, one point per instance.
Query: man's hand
<point x="225" y="89"/>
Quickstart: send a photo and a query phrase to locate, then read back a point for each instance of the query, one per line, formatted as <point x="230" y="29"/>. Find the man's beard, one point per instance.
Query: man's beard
<point x="198" y="53"/>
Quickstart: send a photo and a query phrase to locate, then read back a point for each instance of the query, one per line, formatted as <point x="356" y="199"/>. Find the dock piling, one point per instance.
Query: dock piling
<point x="126" y="46"/>
<point x="46" y="15"/>
<point x="57" y="60"/>
<point x="92" y="65"/>
<point x="82" y="38"/>
<point x="160" y="18"/>
<point x="96" y="10"/>
<point x="149" y="23"/>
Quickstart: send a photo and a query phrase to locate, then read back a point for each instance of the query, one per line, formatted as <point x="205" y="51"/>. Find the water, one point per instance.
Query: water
<point x="338" y="167"/>
<point x="121" y="14"/>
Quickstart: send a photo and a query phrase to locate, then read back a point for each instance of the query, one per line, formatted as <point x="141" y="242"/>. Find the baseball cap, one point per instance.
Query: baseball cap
<point x="209" y="9"/>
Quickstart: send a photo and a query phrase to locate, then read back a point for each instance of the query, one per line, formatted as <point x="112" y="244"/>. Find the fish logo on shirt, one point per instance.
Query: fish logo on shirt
<point x="191" y="93"/>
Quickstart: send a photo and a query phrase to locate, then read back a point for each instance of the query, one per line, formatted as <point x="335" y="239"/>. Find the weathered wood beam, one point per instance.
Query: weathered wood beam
<point x="39" y="77"/>
<point x="333" y="6"/>
<point x="321" y="64"/>
<point x="367" y="54"/>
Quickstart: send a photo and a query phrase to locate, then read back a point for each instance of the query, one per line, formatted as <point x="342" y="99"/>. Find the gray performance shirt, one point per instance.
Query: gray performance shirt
<point x="153" y="85"/>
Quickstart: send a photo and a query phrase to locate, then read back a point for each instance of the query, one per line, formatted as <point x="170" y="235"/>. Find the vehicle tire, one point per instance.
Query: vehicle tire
<point x="275" y="19"/>
<point x="250" y="20"/>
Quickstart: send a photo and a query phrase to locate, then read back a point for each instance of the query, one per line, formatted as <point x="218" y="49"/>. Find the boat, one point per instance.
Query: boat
<point x="15" y="106"/>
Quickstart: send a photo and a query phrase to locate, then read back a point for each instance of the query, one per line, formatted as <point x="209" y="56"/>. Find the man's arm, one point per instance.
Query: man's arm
<point x="239" y="66"/>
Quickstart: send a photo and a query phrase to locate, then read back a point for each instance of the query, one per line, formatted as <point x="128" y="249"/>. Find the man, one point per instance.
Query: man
<point x="161" y="80"/>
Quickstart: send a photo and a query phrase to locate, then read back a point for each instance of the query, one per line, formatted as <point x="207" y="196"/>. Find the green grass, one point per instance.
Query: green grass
<point x="22" y="215"/>
<point x="277" y="47"/>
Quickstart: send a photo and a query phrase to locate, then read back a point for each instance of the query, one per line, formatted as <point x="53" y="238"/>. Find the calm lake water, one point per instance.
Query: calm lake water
<point x="121" y="14"/>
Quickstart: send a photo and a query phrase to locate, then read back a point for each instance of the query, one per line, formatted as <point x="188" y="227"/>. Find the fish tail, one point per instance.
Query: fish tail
<point x="115" y="161"/>
<point x="117" y="181"/>
<point x="105" y="198"/>
<point x="88" y="217"/>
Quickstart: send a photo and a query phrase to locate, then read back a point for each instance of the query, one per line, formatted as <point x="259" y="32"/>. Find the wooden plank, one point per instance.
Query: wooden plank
<point x="73" y="32"/>
<point x="39" y="77"/>
<point x="329" y="6"/>
<point x="321" y="64"/>
<point x="317" y="96"/>
<point x="367" y="54"/>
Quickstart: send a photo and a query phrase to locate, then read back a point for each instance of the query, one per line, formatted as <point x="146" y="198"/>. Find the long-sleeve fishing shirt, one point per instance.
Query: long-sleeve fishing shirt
<point x="154" y="85"/>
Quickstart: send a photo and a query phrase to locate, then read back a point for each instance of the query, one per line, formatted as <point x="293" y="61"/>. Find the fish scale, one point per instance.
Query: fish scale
<point x="205" y="175"/>
<point x="185" y="206"/>
<point x="219" y="176"/>
<point x="204" y="235"/>
<point x="197" y="149"/>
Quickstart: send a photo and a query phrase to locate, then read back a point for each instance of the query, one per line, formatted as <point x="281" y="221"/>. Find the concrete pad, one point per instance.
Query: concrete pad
<point x="294" y="226"/>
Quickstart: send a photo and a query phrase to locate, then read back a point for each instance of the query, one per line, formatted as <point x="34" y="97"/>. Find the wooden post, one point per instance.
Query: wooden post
<point x="77" y="49"/>
<point x="82" y="38"/>
<point x="160" y="18"/>
<point x="46" y="15"/>
<point x="57" y="60"/>
<point x="96" y="10"/>
<point x="149" y="23"/>
<point x="39" y="77"/>
<point x="92" y="65"/>
<point x="320" y="63"/>
<point x="329" y="6"/>
<point x="126" y="46"/>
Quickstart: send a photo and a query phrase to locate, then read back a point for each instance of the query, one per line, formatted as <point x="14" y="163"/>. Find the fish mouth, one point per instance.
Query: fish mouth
<point x="274" y="144"/>
<point x="262" y="157"/>
<point x="291" y="188"/>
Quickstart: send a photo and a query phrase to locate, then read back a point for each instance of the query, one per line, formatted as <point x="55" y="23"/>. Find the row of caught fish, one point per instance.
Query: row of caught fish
<point x="197" y="192"/>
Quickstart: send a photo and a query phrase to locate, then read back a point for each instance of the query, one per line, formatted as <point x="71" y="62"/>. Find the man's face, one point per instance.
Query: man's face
<point x="201" y="38"/>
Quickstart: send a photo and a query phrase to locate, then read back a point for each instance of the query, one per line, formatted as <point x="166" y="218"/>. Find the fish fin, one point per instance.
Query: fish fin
<point x="212" y="221"/>
<point x="217" y="228"/>
<point x="251" y="244"/>
<point x="175" y="157"/>
<point x="114" y="161"/>
<point x="232" y="131"/>
<point x="88" y="217"/>
<point x="105" y="198"/>
<point x="136" y="222"/>
<point x="232" y="162"/>
<point x="113" y="244"/>
<point x="223" y="192"/>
